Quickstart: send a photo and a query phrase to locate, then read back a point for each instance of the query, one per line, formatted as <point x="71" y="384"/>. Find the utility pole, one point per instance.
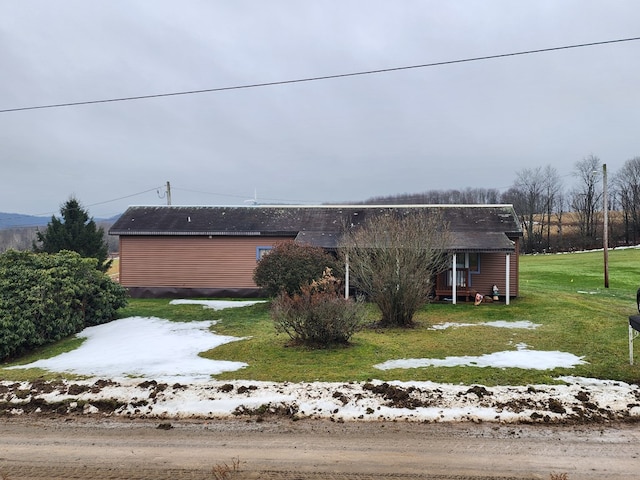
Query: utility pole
<point x="168" y="193"/>
<point x="605" y="235"/>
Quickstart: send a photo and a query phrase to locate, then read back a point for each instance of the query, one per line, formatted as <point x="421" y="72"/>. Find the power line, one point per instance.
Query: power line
<point x="324" y="77"/>
<point x="46" y="214"/>
<point x="122" y="198"/>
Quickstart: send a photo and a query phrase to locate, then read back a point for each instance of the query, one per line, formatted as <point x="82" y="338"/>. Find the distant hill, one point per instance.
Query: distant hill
<point x="18" y="220"/>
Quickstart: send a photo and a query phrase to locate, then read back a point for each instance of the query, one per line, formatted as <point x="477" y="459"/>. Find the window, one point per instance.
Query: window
<point x="473" y="262"/>
<point x="468" y="260"/>
<point x="261" y="252"/>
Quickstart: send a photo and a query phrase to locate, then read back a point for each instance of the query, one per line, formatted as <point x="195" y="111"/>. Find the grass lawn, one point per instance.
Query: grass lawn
<point x="564" y="293"/>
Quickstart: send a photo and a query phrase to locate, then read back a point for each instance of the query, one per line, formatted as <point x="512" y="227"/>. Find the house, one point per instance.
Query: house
<point x="169" y="251"/>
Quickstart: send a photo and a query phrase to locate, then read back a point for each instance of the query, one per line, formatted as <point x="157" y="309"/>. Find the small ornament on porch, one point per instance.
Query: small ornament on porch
<point x="494" y="289"/>
<point x="479" y="299"/>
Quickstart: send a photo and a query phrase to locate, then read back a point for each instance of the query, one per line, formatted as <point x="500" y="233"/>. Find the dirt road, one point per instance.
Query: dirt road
<point x="90" y="448"/>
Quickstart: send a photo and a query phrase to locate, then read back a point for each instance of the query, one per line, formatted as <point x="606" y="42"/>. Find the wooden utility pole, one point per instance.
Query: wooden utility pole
<point x="168" y="193"/>
<point x="605" y="235"/>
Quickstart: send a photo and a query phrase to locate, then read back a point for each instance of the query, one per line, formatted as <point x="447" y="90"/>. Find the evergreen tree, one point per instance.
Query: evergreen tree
<point x="75" y="231"/>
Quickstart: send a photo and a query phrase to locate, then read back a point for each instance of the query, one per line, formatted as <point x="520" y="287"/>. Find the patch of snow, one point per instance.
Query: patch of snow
<point x="524" y="324"/>
<point x="592" y="382"/>
<point x="144" y="347"/>
<point x="217" y="304"/>
<point x="521" y="358"/>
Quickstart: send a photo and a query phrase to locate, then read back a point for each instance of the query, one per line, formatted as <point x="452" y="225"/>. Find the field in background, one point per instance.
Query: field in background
<point x="565" y="233"/>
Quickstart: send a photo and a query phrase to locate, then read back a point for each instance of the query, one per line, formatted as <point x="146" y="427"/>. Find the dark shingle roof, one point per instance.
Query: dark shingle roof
<point x="473" y="227"/>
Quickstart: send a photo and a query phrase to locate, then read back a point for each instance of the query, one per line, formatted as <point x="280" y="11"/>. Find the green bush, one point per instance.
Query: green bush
<point x="47" y="297"/>
<point x="290" y="265"/>
<point x="318" y="316"/>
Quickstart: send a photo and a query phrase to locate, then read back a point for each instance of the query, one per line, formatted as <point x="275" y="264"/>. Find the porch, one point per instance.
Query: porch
<point x="444" y="285"/>
<point x="477" y="272"/>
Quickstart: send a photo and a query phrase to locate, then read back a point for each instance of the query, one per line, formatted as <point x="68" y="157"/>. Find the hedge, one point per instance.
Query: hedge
<point x="47" y="297"/>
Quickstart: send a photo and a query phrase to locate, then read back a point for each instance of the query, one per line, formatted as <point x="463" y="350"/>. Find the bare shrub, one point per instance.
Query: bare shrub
<point x="223" y="471"/>
<point x="318" y="316"/>
<point x="394" y="259"/>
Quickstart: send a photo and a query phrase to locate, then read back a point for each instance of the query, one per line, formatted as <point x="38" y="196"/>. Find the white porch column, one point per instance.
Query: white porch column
<point x="507" y="270"/>
<point x="346" y="276"/>
<point x="454" y="280"/>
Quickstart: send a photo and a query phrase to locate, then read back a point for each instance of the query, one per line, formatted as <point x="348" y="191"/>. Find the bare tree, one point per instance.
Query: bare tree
<point x="552" y="191"/>
<point x="394" y="258"/>
<point x="530" y="188"/>
<point x="586" y="197"/>
<point x="627" y="186"/>
<point x="560" y="202"/>
<point x="18" y="238"/>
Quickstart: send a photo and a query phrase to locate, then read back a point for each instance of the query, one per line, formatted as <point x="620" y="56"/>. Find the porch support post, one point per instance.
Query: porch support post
<point x="454" y="280"/>
<point x="346" y="276"/>
<point x="507" y="270"/>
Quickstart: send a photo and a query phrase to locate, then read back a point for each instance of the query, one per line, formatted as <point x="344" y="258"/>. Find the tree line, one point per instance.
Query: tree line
<point x="557" y="217"/>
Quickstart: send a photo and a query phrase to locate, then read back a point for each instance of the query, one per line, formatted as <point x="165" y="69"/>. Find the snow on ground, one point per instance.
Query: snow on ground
<point x="521" y="358"/>
<point x="144" y="347"/>
<point x="217" y="304"/>
<point x="522" y="324"/>
<point x="150" y="367"/>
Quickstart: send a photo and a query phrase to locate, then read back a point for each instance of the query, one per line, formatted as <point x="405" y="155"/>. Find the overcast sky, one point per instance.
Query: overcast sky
<point x="473" y="124"/>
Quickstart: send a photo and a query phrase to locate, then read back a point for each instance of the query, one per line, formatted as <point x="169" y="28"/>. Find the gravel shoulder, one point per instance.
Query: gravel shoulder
<point x="56" y="447"/>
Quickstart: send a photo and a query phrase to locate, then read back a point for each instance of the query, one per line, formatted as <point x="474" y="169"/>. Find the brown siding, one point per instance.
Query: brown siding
<point x="227" y="263"/>
<point x="190" y="262"/>
<point x="492" y="272"/>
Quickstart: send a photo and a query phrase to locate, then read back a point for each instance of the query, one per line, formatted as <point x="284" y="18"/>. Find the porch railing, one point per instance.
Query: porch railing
<point x="444" y="283"/>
